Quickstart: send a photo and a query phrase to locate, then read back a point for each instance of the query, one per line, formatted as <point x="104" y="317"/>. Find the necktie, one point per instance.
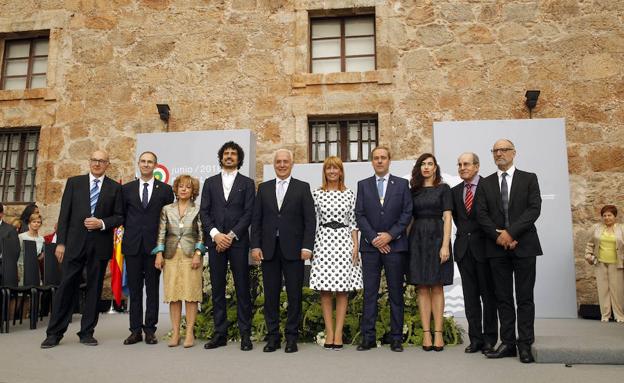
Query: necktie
<point x="505" y="198"/>
<point x="145" y="198"/>
<point x="380" y="189"/>
<point x="469" y="198"/>
<point x="280" y="193"/>
<point x="94" y="194"/>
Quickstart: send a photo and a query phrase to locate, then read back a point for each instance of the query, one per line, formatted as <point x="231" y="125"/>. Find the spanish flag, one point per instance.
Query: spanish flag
<point x="116" y="265"/>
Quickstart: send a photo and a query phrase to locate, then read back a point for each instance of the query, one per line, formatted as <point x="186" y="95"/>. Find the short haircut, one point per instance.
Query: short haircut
<point x="333" y="161"/>
<point x="290" y="153"/>
<point x="186" y="178"/>
<point x="609" y="208"/>
<point x="235" y="146"/>
<point x="380" y="147"/>
<point x="149" y="152"/>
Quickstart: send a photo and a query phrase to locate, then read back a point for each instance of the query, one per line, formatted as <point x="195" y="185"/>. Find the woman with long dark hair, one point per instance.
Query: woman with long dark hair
<point x="430" y="263"/>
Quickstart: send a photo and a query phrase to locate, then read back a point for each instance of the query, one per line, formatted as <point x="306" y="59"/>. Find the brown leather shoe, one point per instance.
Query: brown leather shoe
<point x="135" y="337"/>
<point x="150" y="339"/>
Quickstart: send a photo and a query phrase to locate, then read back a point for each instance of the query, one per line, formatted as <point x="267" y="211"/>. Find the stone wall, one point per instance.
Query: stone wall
<point x="242" y="64"/>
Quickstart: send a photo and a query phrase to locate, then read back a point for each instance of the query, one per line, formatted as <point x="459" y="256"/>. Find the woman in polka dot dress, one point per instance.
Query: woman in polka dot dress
<point x="336" y="266"/>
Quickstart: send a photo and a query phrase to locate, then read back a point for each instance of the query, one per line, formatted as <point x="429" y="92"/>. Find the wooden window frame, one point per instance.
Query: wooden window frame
<point x="343" y="57"/>
<point x="343" y="139"/>
<point x="20" y="171"/>
<point x="31" y="56"/>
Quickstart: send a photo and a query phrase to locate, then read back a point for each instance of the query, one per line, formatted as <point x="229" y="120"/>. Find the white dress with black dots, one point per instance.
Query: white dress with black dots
<point x="332" y="266"/>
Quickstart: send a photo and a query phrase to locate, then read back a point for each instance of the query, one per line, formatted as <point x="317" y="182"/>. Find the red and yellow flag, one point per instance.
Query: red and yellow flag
<point x="116" y="265"/>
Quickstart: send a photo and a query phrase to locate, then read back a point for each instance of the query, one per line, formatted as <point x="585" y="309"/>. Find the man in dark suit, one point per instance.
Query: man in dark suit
<point x="383" y="209"/>
<point x="282" y="237"/>
<point x="469" y="251"/>
<point x="143" y="200"/>
<point x="226" y="209"/>
<point x="509" y="203"/>
<point x="91" y="207"/>
<point x="7" y="231"/>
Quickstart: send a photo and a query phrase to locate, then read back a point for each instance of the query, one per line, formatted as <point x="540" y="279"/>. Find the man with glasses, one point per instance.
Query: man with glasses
<point x="91" y="207"/>
<point x="509" y="203"/>
<point x="469" y="252"/>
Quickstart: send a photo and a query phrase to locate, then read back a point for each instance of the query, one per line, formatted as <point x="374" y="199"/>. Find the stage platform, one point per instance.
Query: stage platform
<point x="559" y="342"/>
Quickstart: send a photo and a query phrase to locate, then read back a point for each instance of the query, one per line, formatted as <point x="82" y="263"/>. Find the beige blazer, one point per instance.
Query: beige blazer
<point x="594" y="243"/>
<point x="175" y="231"/>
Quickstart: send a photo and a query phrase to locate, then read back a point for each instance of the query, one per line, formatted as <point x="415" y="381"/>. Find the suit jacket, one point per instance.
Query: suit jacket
<point x="524" y="208"/>
<point x="469" y="234"/>
<point x="174" y="230"/>
<point x="141" y="224"/>
<point x="393" y="216"/>
<point x="9" y="232"/>
<point x="295" y="221"/>
<point x="76" y="207"/>
<point x="231" y="215"/>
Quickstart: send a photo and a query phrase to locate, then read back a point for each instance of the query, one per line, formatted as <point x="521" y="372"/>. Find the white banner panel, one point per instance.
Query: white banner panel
<point x="541" y="149"/>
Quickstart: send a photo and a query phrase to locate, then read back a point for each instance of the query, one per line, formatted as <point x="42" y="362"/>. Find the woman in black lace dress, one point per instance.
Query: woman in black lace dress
<point x="430" y="263"/>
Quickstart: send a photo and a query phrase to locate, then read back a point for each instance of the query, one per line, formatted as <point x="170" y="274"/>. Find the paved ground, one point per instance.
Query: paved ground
<point x="21" y="361"/>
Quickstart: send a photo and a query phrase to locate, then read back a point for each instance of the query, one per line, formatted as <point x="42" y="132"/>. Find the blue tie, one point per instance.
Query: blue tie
<point x="95" y="193"/>
<point x="380" y="190"/>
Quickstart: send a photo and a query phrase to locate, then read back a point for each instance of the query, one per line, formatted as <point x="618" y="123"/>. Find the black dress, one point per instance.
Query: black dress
<point x="425" y="237"/>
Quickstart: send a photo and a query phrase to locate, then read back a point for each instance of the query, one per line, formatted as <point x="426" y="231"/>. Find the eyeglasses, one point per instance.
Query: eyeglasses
<point x="95" y="161"/>
<point x="501" y="150"/>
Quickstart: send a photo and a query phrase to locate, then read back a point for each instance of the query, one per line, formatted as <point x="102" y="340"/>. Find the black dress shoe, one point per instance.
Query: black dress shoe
<point x="365" y="346"/>
<point x="271" y="346"/>
<point x="473" y="347"/>
<point x="89" y="340"/>
<point x="150" y="339"/>
<point x="291" y="346"/>
<point x="525" y="355"/>
<point x="503" y="351"/>
<point x="135" y="337"/>
<point x="246" y="344"/>
<point x="487" y="347"/>
<point x="51" y="341"/>
<point x="215" y="342"/>
<point x="396" y="346"/>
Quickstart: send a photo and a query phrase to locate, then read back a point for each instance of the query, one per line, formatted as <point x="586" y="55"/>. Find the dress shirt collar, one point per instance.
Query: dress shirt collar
<point x="227" y="174"/>
<point x="474" y="181"/>
<point x="510" y="172"/>
<point x="287" y="179"/>
<point x="92" y="178"/>
<point x="150" y="183"/>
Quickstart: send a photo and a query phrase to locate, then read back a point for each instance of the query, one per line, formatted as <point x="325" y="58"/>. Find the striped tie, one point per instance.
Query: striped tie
<point x="469" y="198"/>
<point x="95" y="193"/>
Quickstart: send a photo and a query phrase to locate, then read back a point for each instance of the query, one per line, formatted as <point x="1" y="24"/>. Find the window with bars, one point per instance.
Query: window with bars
<point x="25" y="63"/>
<point x="351" y="139"/>
<point x="18" y="164"/>
<point x="342" y="44"/>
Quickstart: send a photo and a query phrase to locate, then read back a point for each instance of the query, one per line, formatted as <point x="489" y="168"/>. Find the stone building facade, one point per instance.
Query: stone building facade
<point x="230" y="64"/>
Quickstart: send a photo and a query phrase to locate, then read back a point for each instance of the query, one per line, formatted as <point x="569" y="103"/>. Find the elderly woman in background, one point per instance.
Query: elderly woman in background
<point x="178" y="253"/>
<point x="605" y="250"/>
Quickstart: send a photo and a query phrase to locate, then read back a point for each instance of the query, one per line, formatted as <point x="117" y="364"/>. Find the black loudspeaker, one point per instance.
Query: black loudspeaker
<point x="590" y="312"/>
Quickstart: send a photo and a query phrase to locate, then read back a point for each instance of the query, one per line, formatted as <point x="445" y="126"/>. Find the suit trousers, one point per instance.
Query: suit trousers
<point x="394" y="266"/>
<point x="610" y="284"/>
<point x="479" y="299"/>
<point x="292" y="271"/>
<point x="238" y="258"/>
<point x="142" y="272"/>
<point x="69" y="288"/>
<point x="506" y="270"/>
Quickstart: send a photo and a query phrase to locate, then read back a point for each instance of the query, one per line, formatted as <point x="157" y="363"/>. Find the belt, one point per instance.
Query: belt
<point x="334" y="225"/>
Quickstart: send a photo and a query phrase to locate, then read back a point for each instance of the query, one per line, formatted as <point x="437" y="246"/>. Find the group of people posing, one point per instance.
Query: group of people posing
<point x="404" y="228"/>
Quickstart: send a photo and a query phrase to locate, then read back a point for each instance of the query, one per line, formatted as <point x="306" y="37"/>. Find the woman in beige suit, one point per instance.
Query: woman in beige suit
<point x="605" y="250"/>
<point x="179" y="249"/>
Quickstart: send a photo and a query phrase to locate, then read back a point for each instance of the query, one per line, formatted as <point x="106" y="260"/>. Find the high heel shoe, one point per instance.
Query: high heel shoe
<point x="174" y="341"/>
<point x="438" y="348"/>
<point x="426" y="348"/>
